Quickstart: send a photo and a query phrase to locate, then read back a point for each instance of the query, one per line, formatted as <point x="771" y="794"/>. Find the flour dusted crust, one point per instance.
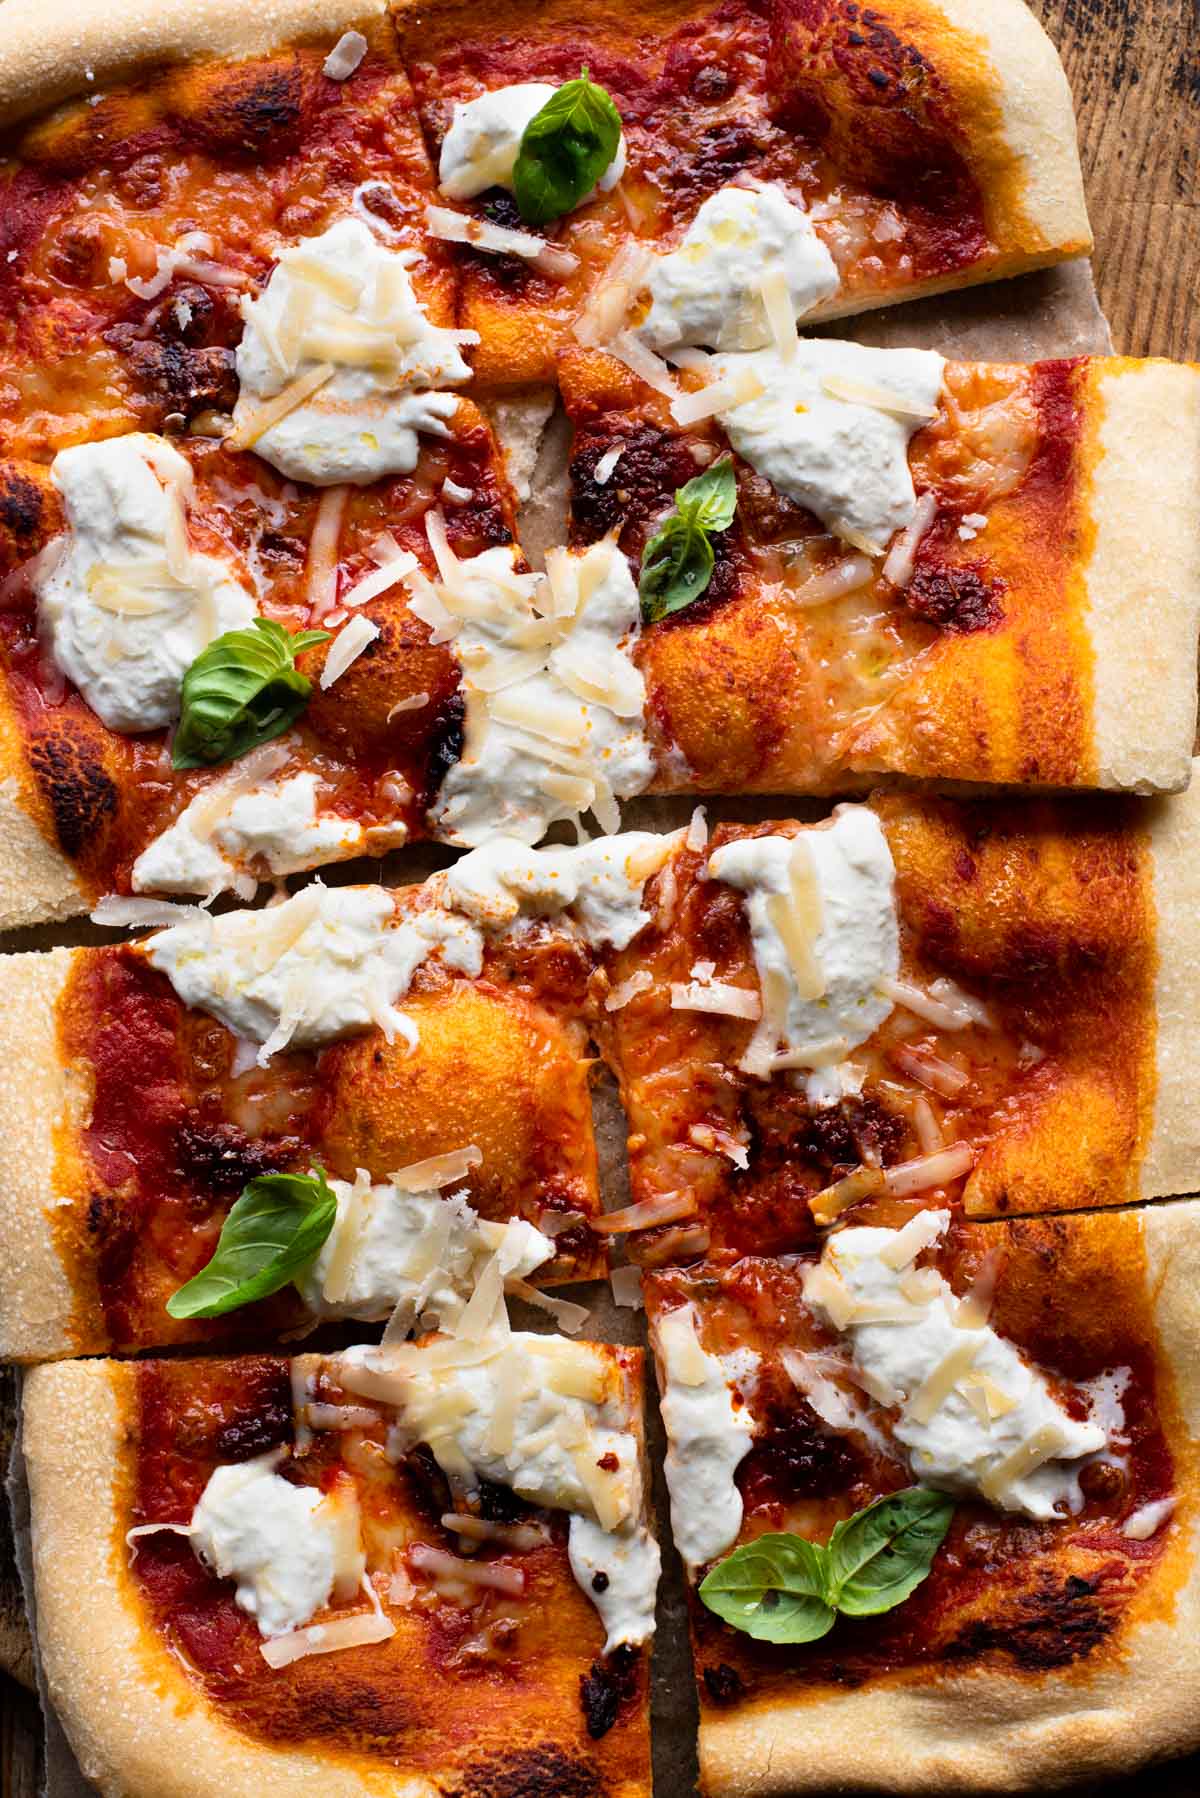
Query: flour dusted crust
<point x="37" y="1308"/>
<point x="38" y="884"/>
<point x="1172" y="1155"/>
<point x="987" y="1731"/>
<point x="1142" y="576"/>
<point x="128" y="1709"/>
<point x="50" y="52"/>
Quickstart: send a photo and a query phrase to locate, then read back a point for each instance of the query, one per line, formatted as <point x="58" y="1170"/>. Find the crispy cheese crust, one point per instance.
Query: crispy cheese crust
<point x="1067" y="1654"/>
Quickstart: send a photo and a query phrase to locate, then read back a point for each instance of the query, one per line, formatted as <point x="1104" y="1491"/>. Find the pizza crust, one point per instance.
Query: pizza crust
<point x="58" y="49"/>
<point x="986" y="1731"/>
<point x="130" y="1713"/>
<point x="37" y="1307"/>
<point x="1171" y="1162"/>
<point x="1031" y="149"/>
<point x="38" y="884"/>
<point x="1143" y="574"/>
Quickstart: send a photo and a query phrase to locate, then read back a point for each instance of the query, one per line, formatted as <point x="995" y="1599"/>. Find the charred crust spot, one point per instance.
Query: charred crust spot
<point x="542" y="1772"/>
<point x="723" y="1683"/>
<point x="113" y="1231"/>
<point x="22" y="508"/>
<point x="445" y="746"/>
<point x="81" y="797"/>
<point x="604" y="1691"/>
<point x="1049" y="1628"/>
<point x="221" y="1158"/>
<point x="256" y="109"/>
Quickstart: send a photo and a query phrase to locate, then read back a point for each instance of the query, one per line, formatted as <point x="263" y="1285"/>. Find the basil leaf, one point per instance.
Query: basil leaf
<point x="881" y="1554"/>
<point x="677" y="563"/>
<point x="773" y="1589"/>
<point x="275" y="1228"/>
<point x="241" y="691"/>
<point x="711" y="498"/>
<point x="565" y="149"/>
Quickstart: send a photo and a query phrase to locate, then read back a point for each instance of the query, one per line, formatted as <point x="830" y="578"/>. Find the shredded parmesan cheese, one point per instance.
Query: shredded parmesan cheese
<point x="345" y="56"/>
<point x="646" y="1214"/>
<point x="320" y="578"/>
<point x="734" y="389"/>
<point x="927" y="1171"/>
<point x="481" y="234"/>
<point x="348" y="645"/>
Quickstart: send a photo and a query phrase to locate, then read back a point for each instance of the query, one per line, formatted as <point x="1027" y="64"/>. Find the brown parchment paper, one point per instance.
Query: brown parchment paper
<point x="1051" y="313"/>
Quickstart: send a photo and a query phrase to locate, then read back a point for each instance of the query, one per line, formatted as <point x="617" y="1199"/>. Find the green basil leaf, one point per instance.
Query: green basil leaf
<point x="565" y="149"/>
<point x="677" y="563"/>
<point x="881" y="1554"/>
<point x="276" y="1227"/>
<point x="241" y="691"/>
<point x="710" y="499"/>
<point x="773" y="1589"/>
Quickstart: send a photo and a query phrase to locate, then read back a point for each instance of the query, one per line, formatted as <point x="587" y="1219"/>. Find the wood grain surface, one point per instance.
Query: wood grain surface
<point x="1134" y="66"/>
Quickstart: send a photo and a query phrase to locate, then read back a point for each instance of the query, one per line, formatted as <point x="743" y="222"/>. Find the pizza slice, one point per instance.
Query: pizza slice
<point x="855" y="562"/>
<point x="324" y="1109"/>
<point x="424" y="1567"/>
<point x="801" y="159"/>
<point x="948" y="1003"/>
<point x="230" y="392"/>
<point x="936" y="1492"/>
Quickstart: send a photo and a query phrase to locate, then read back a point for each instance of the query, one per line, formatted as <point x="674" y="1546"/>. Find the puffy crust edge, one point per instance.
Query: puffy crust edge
<point x="137" y="1725"/>
<point x="38" y="884"/>
<point x="37" y="1306"/>
<point x="1142" y="577"/>
<point x="50" y="52"/>
<point x="987" y="1732"/>
<point x="1171" y="1162"/>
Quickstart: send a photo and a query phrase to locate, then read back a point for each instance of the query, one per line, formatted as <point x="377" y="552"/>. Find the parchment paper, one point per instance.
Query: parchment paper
<point x="1053" y="313"/>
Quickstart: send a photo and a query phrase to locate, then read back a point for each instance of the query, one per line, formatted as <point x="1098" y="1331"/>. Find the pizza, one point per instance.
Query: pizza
<point x="916" y="147"/>
<point x="917" y="994"/>
<point x="425" y="681"/>
<point x="264" y="606"/>
<point x="940" y="1001"/>
<point x="1035" y="1385"/>
<point x="1005" y="634"/>
<point x="327" y="1486"/>
<point x="390" y="1622"/>
<point x="411" y="1046"/>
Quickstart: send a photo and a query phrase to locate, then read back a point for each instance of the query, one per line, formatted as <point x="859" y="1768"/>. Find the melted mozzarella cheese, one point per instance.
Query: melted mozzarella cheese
<point x="824" y="931"/>
<point x="842" y="458"/>
<point x="561" y="732"/>
<point x="129" y="606"/>
<point x="278" y="1541"/>
<point x="708" y="1437"/>
<point x="279" y="828"/>
<point x="550" y="1419"/>
<point x="480" y="149"/>
<point x="1020" y="1448"/>
<point x="419" y="1250"/>
<point x="709" y="290"/>
<point x="343" y="302"/>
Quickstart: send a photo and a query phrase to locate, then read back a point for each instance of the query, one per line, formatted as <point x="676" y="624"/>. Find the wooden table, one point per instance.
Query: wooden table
<point x="1135" y="69"/>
